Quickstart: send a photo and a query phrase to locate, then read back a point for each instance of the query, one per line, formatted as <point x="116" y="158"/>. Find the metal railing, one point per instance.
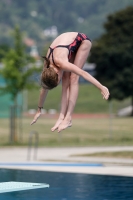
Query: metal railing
<point x="36" y="136"/>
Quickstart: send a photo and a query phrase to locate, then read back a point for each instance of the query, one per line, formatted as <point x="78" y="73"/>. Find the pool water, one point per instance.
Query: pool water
<point x="68" y="186"/>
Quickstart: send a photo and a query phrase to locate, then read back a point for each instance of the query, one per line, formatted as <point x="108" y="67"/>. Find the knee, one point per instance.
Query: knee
<point x="87" y="45"/>
<point x="74" y="79"/>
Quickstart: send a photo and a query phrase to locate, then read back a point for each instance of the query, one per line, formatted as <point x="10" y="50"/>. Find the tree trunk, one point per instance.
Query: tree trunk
<point x="13" y="123"/>
<point x="15" y="118"/>
<point x="13" y="134"/>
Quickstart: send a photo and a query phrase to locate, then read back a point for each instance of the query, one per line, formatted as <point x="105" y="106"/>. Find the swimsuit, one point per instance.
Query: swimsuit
<point x="72" y="48"/>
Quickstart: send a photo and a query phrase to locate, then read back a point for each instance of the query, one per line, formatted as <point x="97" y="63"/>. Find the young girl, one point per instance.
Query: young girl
<point x="64" y="60"/>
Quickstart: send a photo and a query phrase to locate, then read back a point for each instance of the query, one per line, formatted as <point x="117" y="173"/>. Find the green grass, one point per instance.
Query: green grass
<point x="84" y="132"/>
<point x="89" y="100"/>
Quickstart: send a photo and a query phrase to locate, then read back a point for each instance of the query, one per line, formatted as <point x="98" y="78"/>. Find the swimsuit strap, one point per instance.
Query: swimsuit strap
<point x="52" y="49"/>
<point x="51" y="53"/>
<point x="64" y="46"/>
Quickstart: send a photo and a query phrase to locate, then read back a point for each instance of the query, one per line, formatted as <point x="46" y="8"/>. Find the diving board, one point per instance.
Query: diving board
<point x="18" y="186"/>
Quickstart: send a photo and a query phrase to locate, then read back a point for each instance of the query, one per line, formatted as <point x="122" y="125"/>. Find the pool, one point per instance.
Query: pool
<point x="68" y="186"/>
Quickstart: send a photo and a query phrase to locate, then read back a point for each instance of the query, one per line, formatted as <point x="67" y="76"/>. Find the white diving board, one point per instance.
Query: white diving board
<point x="18" y="186"/>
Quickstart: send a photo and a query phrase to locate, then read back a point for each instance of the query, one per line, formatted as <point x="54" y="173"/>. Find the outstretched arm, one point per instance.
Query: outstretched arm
<point x="43" y="94"/>
<point x="65" y="65"/>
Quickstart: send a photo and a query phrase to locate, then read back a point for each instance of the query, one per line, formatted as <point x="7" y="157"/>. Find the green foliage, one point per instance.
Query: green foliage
<point x="113" y="52"/>
<point x="16" y="70"/>
<point x="83" y="16"/>
<point x="3" y="51"/>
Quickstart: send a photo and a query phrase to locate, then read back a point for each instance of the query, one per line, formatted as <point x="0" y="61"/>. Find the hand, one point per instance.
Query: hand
<point x="37" y="115"/>
<point x="105" y="92"/>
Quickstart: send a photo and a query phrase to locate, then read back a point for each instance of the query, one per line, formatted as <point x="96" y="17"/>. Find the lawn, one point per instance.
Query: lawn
<point x="89" y="100"/>
<point x="84" y="132"/>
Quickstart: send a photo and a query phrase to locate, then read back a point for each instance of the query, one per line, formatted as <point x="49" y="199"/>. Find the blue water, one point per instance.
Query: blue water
<point x="54" y="164"/>
<point x="68" y="186"/>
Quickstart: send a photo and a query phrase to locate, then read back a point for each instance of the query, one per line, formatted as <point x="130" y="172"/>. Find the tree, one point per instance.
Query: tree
<point x="17" y="69"/>
<point x="4" y="48"/>
<point x="113" y="55"/>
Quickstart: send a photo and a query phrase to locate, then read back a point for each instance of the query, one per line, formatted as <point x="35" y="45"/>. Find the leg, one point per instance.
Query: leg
<point x="79" y="61"/>
<point x="64" y="99"/>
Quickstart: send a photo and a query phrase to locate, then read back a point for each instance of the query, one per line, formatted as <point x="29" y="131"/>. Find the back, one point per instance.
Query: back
<point x="64" y="39"/>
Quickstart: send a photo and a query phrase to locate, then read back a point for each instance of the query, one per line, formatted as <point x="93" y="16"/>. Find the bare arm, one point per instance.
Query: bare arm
<point x="67" y="66"/>
<point x="42" y="97"/>
<point x="43" y="94"/>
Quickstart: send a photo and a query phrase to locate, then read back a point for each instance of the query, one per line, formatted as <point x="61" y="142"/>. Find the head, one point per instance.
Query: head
<point x="49" y="76"/>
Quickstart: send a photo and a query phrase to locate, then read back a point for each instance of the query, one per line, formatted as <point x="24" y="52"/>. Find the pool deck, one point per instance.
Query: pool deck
<point x="65" y="160"/>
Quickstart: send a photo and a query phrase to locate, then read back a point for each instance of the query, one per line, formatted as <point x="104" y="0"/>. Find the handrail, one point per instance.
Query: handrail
<point x="35" y="144"/>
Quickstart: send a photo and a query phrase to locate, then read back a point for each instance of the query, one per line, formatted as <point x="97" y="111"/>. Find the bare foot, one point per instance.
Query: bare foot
<point x="59" y="121"/>
<point x="65" y="124"/>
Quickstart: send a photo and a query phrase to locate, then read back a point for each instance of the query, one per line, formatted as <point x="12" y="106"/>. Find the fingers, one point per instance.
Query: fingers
<point x="106" y="96"/>
<point x="35" y="118"/>
<point x="34" y="121"/>
<point x="105" y="93"/>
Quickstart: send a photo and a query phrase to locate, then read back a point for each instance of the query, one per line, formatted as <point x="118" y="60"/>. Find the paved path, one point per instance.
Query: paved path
<point x="16" y="157"/>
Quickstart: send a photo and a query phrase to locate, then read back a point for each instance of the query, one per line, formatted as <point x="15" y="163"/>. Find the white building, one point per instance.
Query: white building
<point x="51" y="32"/>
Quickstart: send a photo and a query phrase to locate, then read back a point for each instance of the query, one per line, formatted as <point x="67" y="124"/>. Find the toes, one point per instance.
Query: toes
<point x="54" y="128"/>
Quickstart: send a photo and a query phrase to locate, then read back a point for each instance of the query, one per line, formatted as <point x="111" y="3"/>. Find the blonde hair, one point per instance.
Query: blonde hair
<point x="49" y="78"/>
